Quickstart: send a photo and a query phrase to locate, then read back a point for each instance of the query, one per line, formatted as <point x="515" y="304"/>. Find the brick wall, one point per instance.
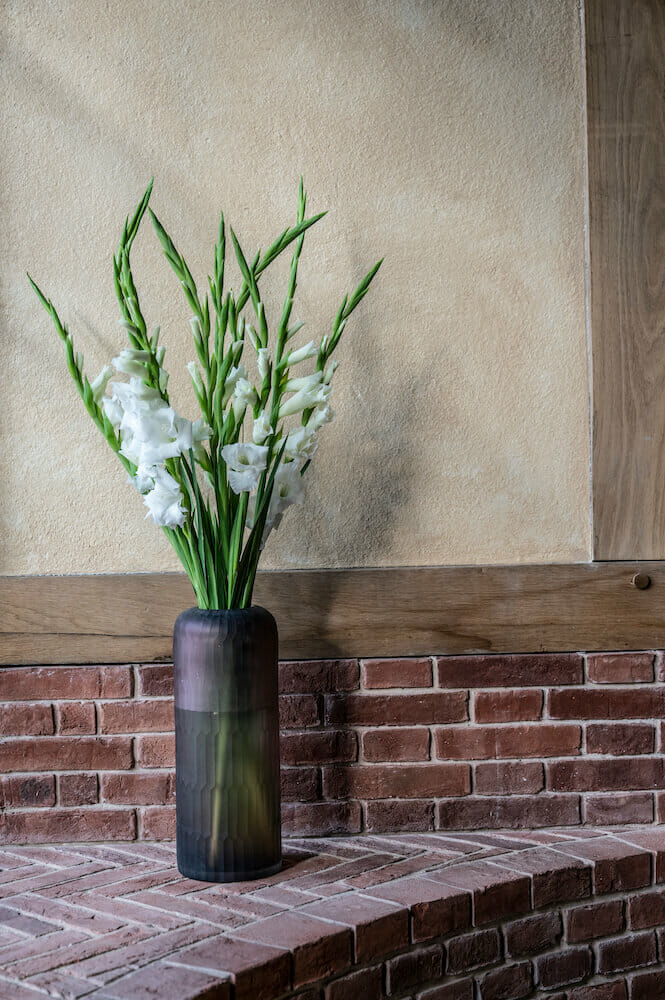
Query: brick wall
<point x="458" y="742"/>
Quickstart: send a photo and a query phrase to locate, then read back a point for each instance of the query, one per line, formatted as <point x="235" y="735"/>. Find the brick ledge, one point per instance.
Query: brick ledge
<point x="576" y="914"/>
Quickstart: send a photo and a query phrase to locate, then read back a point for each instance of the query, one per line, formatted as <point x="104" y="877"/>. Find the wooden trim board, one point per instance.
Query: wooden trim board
<point x="625" y="59"/>
<point x="355" y="612"/>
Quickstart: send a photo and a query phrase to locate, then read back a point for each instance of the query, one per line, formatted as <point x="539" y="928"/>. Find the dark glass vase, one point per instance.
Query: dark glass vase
<point x="227" y="744"/>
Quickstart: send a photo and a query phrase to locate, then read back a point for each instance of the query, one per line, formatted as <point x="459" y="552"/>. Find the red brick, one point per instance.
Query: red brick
<point x="20" y="791"/>
<point x="320" y="819"/>
<point x="407" y="673"/>
<point x="24" y="719"/>
<point x="472" y="951"/>
<point x="497" y="893"/>
<point x="74" y="683"/>
<point x="413" y="968"/>
<point x="602" y="991"/>
<point x="436" y="909"/>
<point x="510" y="983"/>
<point x="365" y="983"/>
<point x="620" y="668"/>
<point x="627" y="952"/>
<point x="461" y="989"/>
<point x="155" y="751"/>
<point x="52" y="826"/>
<point x="533" y="934"/>
<point x="138" y="788"/>
<point x="620" y="738"/>
<point x="76" y="717"/>
<point x="155" y="680"/>
<point x="95" y="958"/>
<point x="166" y="981"/>
<point x="523" y="777"/>
<point x="256" y="970"/>
<point x="157" y="823"/>
<point x="397" y="709"/>
<point x="617" y="867"/>
<point x="511" y="671"/>
<point x="556" y="878"/>
<point x="319" y="949"/>
<point x="586" y="703"/>
<point x="564" y="967"/>
<point x="150" y="716"/>
<point x="647" y="986"/>
<point x="66" y="753"/>
<point x="77" y="789"/>
<point x="318" y="676"/>
<point x="606" y="810"/>
<point x="650" y="839"/>
<point x="391" y="815"/>
<point x="299" y="784"/>
<point x="625" y="774"/>
<point x="488" y="742"/>
<point x="595" y="920"/>
<point x="328" y="747"/>
<point x="379" y="927"/>
<point x="396" y="744"/>
<point x="647" y="910"/>
<point x="517" y="812"/>
<point x="507" y="706"/>
<point x="298" y="711"/>
<point x="371" y="781"/>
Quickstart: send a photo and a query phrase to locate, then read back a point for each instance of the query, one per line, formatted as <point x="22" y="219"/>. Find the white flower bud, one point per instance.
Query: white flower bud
<point x="308" y="351"/>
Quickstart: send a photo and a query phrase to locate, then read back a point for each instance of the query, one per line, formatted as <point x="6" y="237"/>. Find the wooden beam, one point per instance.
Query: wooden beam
<point x="337" y="613"/>
<point x="625" y="56"/>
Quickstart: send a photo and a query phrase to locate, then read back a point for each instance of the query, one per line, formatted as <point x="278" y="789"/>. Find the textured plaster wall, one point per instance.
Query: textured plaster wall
<point x="443" y="134"/>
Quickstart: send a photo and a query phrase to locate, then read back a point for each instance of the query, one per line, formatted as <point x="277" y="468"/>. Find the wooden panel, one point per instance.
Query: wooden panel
<point x="361" y="612"/>
<point x="625" y="51"/>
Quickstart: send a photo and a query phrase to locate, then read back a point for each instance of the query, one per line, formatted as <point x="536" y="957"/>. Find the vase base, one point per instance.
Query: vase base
<point x="201" y="875"/>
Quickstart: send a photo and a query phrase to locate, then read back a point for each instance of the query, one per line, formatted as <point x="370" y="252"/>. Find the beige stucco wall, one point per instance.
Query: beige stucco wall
<point x="444" y="134"/>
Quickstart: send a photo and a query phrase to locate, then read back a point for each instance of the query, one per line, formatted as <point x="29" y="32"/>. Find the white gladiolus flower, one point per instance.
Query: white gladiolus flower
<point x="98" y="385"/>
<point x="201" y="431"/>
<point x="306" y="399"/>
<point x="196" y="377"/>
<point x="150" y="430"/>
<point x="289" y="488"/>
<point x="244" y="395"/>
<point x="301" y="444"/>
<point x="131" y="362"/>
<point x="308" y="351"/>
<point x="305" y="382"/>
<point x="321" y="415"/>
<point x="263" y="356"/>
<point x="112" y="409"/>
<point x="230" y="382"/>
<point x="164" y="501"/>
<point x="262" y="428"/>
<point x="144" y="479"/>
<point x="244" y="465"/>
<point x="332" y="368"/>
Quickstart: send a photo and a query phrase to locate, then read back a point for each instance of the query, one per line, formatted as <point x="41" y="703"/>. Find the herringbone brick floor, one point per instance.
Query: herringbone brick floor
<point x="118" y="922"/>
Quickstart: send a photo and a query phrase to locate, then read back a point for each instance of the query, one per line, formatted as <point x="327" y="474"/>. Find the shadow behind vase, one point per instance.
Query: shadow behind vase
<point x="227" y="744"/>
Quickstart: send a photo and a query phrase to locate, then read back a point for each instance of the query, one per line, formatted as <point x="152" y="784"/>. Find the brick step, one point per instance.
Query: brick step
<point x="571" y="915"/>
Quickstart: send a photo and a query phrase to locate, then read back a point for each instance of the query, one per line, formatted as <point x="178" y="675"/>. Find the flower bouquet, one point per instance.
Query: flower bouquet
<point x="218" y="486"/>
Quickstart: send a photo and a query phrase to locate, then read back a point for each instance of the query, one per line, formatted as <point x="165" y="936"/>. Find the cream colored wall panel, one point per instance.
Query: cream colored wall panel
<point x="446" y="135"/>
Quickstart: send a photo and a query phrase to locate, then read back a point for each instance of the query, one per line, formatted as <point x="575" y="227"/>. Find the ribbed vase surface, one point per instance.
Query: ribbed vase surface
<point x="227" y="744"/>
